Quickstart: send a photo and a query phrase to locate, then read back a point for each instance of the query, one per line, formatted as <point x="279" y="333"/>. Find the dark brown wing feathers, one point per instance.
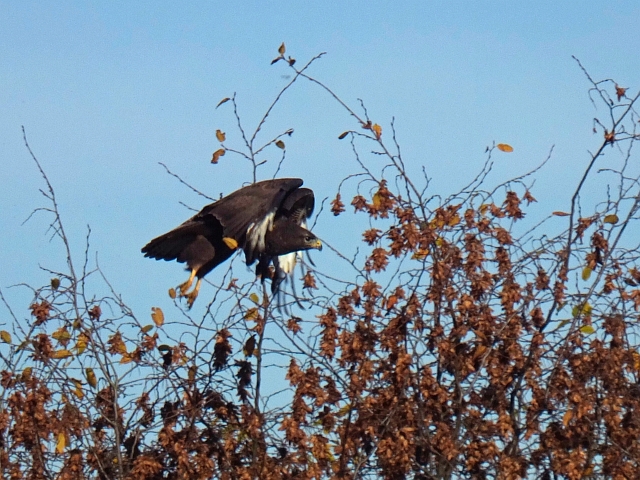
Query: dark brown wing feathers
<point x="199" y="243"/>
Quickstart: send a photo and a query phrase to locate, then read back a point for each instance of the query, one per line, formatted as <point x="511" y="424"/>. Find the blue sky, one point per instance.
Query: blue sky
<point x="106" y="90"/>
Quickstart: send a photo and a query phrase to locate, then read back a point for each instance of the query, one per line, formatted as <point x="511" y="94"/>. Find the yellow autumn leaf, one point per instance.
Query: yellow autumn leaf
<point x="91" y="377"/>
<point x="505" y="147"/>
<point x="172" y="293"/>
<point x="612" y="218"/>
<point x="77" y="391"/>
<point x="585" y="309"/>
<point x="5" y="336"/>
<point x="62" y="335"/>
<point x="377" y="200"/>
<point x="217" y="154"/>
<point x="252" y="314"/>
<point x="636" y="360"/>
<point x="126" y="358"/>
<point x="587" y="330"/>
<point x="377" y="130"/>
<point x="420" y="254"/>
<point x="220" y="136"/>
<point x="157" y="316"/>
<point x="26" y="374"/>
<point x="453" y="221"/>
<point x="61" y="354"/>
<point x="147" y="328"/>
<point x="280" y="144"/>
<point x="254" y="298"/>
<point x="81" y="344"/>
<point x="586" y="273"/>
<point x="61" y="443"/>
<point x="55" y="283"/>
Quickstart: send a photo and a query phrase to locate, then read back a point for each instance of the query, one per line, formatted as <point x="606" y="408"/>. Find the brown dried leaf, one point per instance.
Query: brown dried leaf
<point x="217" y="154"/>
<point x="504" y="147"/>
<point x="249" y="346"/>
<point x="337" y="207"/>
<point x="224" y="100"/>
<point x="220" y="136"/>
<point x="609" y="137"/>
<point x="95" y="313"/>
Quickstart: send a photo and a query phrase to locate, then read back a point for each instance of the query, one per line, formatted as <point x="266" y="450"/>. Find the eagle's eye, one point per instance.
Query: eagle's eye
<point x="308" y="238"/>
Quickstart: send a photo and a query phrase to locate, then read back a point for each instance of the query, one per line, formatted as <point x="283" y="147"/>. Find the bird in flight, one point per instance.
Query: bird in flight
<point x="265" y="219"/>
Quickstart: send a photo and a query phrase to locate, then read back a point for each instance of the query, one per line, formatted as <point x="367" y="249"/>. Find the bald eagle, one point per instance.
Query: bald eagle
<point x="265" y="219"/>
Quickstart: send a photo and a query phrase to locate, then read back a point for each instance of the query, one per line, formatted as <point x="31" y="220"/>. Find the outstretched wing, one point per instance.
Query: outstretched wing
<point x="198" y="242"/>
<point x="245" y="216"/>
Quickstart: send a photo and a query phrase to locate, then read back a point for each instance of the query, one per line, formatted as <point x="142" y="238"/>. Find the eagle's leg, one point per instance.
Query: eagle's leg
<point x="191" y="297"/>
<point x="184" y="287"/>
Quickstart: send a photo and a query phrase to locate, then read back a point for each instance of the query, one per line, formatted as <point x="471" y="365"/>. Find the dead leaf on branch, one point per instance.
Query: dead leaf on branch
<point x="217" y="154"/>
<point x="157" y="316"/>
<point x="224" y="100"/>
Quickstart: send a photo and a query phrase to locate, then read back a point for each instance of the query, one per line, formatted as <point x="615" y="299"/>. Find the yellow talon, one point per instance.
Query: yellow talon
<point x="191" y="297"/>
<point x="184" y="287"/>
